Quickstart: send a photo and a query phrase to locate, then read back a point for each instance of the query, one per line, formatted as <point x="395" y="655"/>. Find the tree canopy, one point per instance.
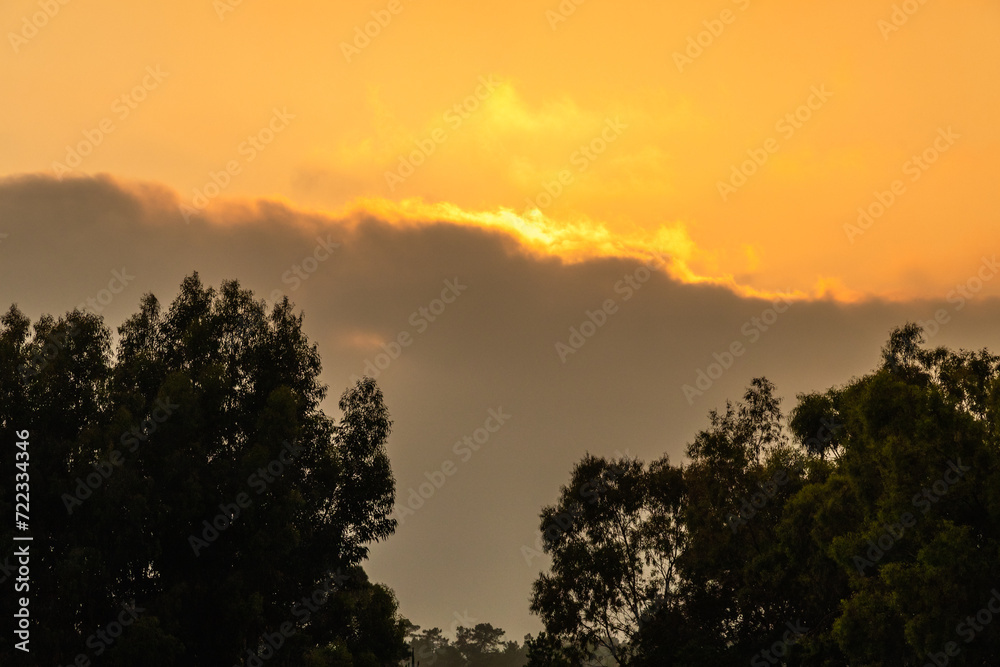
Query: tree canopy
<point x="863" y="528"/>
<point x="188" y="486"/>
<point x="481" y="645"/>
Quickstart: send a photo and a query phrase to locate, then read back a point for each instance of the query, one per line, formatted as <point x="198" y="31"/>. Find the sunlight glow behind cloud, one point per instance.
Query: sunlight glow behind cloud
<point x="511" y="109"/>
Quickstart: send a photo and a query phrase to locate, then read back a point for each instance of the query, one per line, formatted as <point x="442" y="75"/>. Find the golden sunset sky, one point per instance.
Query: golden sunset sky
<point x="633" y="114"/>
<point x="841" y="155"/>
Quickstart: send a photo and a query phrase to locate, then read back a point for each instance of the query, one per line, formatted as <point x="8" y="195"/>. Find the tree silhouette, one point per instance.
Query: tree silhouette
<point x="193" y="474"/>
<point x="872" y="538"/>
<point x="614" y="540"/>
<point x="479" y="646"/>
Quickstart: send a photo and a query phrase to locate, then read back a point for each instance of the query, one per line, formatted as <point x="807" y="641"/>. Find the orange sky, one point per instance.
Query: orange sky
<point x="665" y="124"/>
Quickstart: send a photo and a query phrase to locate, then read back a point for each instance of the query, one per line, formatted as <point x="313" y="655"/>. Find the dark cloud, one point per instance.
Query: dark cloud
<point x="493" y="346"/>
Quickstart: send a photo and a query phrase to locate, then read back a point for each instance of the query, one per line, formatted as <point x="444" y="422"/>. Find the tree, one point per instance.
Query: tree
<point x="921" y="470"/>
<point x="431" y="647"/>
<point x="548" y="651"/>
<point x="479" y="646"/>
<point x="194" y="473"/>
<point x="483" y="646"/>
<point x="614" y="538"/>
<point x="864" y="531"/>
<point x="737" y="590"/>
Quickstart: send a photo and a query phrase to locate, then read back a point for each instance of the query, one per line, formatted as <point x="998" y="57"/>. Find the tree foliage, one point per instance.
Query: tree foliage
<point x="863" y="529"/>
<point x="614" y="538"/>
<point x="479" y="646"/>
<point x="190" y="470"/>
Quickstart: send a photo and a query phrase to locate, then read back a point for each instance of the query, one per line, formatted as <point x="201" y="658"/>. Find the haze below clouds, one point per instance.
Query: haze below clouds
<point x="493" y="347"/>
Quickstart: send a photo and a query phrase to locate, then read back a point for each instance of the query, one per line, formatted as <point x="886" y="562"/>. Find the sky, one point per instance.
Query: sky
<point x="796" y="179"/>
